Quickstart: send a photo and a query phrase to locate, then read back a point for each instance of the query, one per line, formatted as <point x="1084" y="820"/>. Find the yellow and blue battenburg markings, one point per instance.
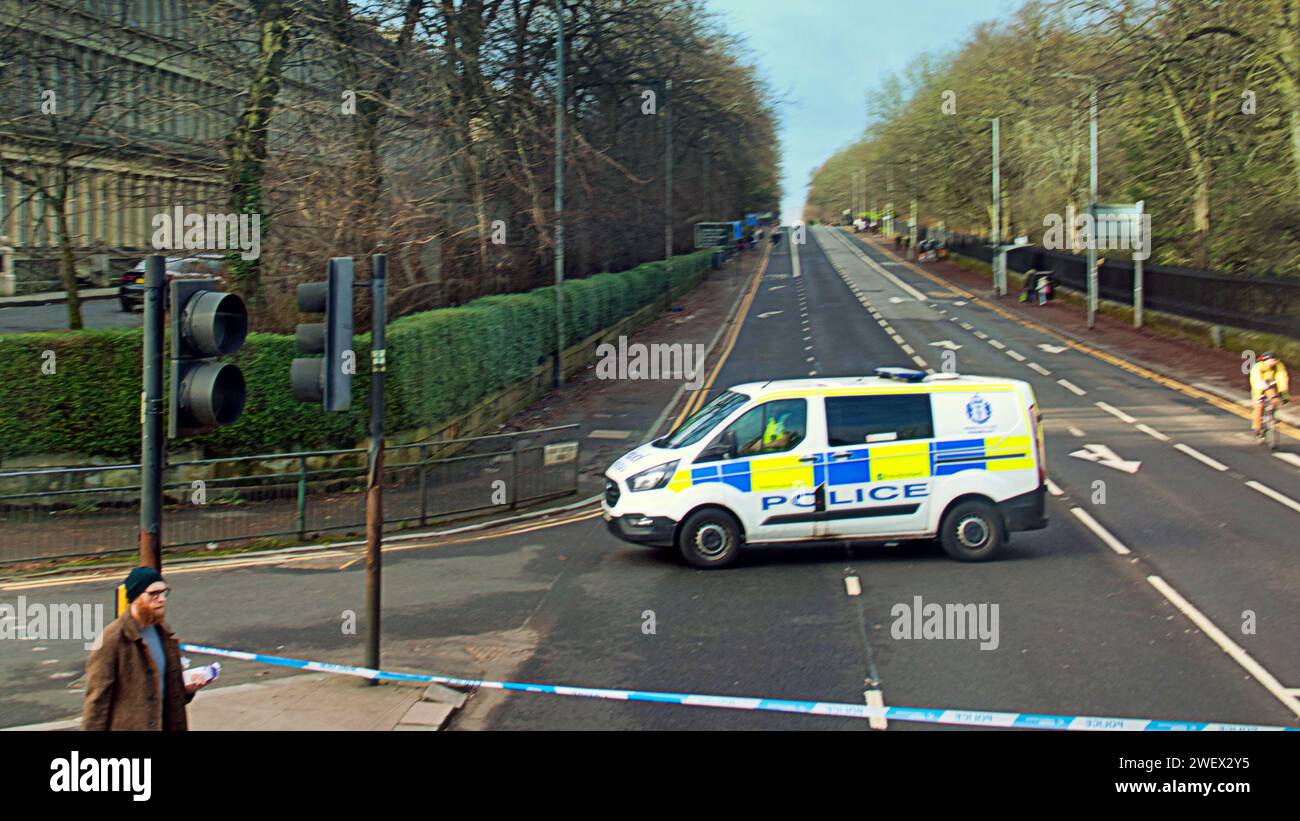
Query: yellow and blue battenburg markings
<point x="875" y="463"/>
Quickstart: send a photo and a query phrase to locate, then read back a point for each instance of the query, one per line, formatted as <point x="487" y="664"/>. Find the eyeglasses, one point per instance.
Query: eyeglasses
<point x="156" y="594"/>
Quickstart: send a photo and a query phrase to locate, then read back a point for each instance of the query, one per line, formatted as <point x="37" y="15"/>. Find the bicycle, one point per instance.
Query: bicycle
<point x="1269" y="434"/>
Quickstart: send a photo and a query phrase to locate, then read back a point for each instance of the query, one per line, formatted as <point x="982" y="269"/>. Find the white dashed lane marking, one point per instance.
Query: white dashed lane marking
<point x="1152" y="432"/>
<point x="1071" y="387"/>
<point x="1274" y="495"/>
<point x="1200" y="457"/>
<point x="1116" y="412"/>
<point x="1099" y="531"/>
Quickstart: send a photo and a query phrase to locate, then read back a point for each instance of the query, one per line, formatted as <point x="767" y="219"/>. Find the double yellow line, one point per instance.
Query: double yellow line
<point x="697" y="398"/>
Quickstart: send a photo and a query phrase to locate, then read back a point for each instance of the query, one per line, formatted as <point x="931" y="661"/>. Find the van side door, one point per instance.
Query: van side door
<point x="765" y="464"/>
<point x="878" y="465"/>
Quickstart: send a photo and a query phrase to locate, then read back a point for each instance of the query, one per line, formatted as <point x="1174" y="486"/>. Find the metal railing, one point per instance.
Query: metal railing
<point x="1269" y="304"/>
<point x="65" y="512"/>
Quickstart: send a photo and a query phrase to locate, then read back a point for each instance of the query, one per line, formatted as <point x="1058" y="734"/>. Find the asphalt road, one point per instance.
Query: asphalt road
<point x="1082" y="629"/>
<point x="95" y="313"/>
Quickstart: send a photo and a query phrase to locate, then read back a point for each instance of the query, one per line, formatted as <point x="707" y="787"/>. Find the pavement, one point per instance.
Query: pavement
<point x="318" y="701"/>
<point x="1168" y="592"/>
<point x="32" y="313"/>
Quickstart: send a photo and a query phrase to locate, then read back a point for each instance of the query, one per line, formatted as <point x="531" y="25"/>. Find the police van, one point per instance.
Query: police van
<point x="899" y="455"/>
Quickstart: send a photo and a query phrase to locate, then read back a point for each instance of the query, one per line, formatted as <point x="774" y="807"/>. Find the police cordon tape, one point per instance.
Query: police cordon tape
<point x="974" y="718"/>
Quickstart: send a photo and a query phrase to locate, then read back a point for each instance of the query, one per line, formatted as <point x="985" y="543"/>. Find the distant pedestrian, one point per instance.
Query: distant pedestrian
<point x="1030" y="287"/>
<point x="134" y="678"/>
<point x="1044" y="287"/>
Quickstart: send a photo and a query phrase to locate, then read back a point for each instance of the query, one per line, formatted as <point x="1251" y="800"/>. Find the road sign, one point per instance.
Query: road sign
<point x="715" y="234"/>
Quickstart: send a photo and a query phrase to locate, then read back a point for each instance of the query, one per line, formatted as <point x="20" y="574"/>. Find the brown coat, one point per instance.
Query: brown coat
<point x="122" y="682"/>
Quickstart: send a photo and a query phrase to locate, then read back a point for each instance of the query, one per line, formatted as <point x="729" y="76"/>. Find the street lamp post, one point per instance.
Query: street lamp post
<point x="559" y="193"/>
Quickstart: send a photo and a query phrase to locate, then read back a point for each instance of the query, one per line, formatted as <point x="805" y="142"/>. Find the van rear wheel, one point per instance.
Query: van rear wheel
<point x="972" y="532"/>
<point x="710" y="538"/>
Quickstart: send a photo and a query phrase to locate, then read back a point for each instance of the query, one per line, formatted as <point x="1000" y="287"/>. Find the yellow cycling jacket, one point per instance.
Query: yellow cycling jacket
<point x="1261" y="373"/>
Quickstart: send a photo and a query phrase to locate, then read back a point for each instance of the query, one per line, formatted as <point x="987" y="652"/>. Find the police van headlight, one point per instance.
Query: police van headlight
<point x="654" y="478"/>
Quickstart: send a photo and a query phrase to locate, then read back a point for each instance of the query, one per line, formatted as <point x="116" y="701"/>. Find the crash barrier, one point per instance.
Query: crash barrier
<point x="65" y="512"/>
<point x="1268" y="304"/>
<point x="970" y="718"/>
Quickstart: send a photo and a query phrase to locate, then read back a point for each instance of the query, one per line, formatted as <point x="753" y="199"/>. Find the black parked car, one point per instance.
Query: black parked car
<point x="130" y="292"/>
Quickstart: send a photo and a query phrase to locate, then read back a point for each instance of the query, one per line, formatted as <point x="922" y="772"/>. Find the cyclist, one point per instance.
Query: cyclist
<point x="1268" y="377"/>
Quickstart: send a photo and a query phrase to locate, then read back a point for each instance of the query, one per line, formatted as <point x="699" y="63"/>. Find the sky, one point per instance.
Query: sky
<point x="822" y="56"/>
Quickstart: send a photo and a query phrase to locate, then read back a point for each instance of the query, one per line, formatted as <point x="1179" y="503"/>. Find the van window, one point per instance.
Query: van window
<point x="772" y="427"/>
<point x="703" y="421"/>
<point x="851" y="419"/>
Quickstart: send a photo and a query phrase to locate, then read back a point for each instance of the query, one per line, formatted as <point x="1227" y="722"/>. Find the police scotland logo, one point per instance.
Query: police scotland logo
<point x="978" y="409"/>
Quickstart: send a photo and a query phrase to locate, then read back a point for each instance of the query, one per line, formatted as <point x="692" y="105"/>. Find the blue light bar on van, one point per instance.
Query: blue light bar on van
<point x="901" y="374"/>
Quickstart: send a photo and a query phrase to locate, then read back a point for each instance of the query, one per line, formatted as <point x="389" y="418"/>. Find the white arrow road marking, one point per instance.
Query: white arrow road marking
<point x="1200" y="457"/>
<point x="1106" y="457"/>
<point x="1071" y="387"/>
<point x="767" y="314"/>
<point x="945" y="343"/>
<point x="1101" y="532"/>
<point x="1116" y="412"/>
<point x="1043" y="346"/>
<point x="1289" y="457"/>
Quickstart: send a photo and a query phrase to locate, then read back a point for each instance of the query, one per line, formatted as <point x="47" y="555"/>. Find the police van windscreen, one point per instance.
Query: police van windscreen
<point x="703" y="420"/>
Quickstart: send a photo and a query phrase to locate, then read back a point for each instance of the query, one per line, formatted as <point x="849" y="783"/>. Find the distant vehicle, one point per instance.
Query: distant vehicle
<point x="130" y="291"/>
<point x="900" y="455"/>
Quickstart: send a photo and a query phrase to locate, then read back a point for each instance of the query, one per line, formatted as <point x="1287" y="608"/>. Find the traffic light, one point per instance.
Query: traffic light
<point x="205" y="323"/>
<point x="327" y="379"/>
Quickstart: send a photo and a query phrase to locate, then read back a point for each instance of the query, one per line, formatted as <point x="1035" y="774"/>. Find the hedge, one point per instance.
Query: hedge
<point x="440" y="364"/>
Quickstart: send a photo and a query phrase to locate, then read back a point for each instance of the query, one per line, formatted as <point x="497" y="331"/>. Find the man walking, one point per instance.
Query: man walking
<point x="133" y="675"/>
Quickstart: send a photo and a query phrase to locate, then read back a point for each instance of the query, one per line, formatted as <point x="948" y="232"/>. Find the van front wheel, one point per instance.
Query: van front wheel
<point x="709" y="539"/>
<point x="971" y="532"/>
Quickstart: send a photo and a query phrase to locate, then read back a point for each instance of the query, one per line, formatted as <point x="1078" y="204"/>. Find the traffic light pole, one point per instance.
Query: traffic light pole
<point x="375" y="477"/>
<point x="151" y="416"/>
